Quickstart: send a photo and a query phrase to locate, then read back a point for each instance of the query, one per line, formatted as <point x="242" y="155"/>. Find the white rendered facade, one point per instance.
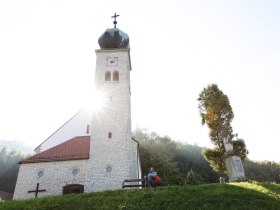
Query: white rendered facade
<point x="111" y="141"/>
<point x="78" y="125"/>
<point x="113" y="154"/>
<point x="55" y="176"/>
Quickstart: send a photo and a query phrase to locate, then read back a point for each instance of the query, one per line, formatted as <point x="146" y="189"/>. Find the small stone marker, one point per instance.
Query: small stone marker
<point x="222" y="180"/>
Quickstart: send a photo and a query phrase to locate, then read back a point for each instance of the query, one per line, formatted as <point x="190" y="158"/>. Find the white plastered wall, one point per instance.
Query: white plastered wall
<point x="76" y="126"/>
<point x="55" y="176"/>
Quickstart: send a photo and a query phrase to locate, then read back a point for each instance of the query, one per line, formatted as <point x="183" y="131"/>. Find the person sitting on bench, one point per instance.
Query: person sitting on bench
<point x="152" y="178"/>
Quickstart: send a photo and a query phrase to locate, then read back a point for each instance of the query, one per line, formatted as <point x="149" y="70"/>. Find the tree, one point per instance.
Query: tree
<point x="215" y="158"/>
<point x="172" y="160"/>
<point x="158" y="152"/>
<point x="262" y="171"/>
<point x="194" y="178"/>
<point x="216" y="112"/>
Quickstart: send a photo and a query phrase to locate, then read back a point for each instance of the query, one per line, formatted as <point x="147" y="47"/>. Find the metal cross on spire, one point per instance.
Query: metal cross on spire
<point x="115" y="20"/>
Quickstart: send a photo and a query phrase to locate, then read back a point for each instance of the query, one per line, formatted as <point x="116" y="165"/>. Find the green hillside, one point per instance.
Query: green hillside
<point x="207" y="196"/>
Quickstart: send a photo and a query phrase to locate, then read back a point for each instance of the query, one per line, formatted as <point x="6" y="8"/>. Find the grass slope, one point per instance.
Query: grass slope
<point x="246" y="195"/>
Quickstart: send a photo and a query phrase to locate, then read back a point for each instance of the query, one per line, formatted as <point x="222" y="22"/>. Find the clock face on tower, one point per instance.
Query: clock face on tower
<point x="112" y="61"/>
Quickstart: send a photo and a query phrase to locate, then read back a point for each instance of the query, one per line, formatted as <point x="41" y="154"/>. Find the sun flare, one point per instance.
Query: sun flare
<point x="97" y="101"/>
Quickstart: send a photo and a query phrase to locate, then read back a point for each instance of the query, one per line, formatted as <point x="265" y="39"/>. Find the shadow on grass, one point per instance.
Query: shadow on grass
<point x="272" y="189"/>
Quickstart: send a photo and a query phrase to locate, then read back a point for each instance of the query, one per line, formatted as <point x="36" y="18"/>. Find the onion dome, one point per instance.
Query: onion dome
<point x="113" y="37"/>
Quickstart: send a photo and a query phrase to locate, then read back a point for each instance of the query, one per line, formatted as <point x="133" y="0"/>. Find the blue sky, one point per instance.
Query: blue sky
<point x="47" y="64"/>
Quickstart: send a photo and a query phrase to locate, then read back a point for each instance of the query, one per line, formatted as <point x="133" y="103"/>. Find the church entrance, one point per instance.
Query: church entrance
<point x="73" y="188"/>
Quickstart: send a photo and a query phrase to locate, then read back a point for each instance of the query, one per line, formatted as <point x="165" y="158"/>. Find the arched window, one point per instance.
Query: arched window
<point x="116" y="76"/>
<point x="107" y="76"/>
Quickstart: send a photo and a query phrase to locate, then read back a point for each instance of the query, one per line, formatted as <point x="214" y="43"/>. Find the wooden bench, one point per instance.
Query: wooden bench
<point x="129" y="183"/>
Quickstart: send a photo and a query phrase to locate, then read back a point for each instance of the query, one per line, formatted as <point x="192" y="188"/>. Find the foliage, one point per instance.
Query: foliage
<point x="194" y="178"/>
<point x="171" y="159"/>
<point x="9" y="168"/>
<point x="16" y="146"/>
<point x="215" y="158"/>
<point x="190" y="157"/>
<point x="206" y="196"/>
<point x="157" y="152"/>
<point x="262" y="171"/>
<point x="239" y="148"/>
<point x="216" y="112"/>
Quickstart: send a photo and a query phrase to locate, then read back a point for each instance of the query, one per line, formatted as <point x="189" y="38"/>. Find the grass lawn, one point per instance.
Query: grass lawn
<point x="244" y="195"/>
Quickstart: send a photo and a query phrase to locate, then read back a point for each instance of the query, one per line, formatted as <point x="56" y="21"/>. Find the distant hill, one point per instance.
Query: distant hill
<point x="253" y="195"/>
<point x="17" y="146"/>
<point x="11" y="152"/>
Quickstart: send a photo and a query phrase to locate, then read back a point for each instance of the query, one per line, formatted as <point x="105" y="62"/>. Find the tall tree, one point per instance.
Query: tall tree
<point x="216" y="112"/>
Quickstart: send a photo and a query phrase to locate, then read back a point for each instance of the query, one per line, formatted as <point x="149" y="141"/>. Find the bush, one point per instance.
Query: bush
<point x="194" y="178"/>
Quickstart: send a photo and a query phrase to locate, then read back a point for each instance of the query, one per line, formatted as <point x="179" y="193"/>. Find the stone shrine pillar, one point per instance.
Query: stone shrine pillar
<point x="233" y="163"/>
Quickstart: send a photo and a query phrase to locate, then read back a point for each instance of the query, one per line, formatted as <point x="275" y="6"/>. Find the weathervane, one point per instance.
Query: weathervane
<point x="115" y="21"/>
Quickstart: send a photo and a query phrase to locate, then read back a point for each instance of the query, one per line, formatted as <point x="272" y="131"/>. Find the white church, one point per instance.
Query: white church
<point x="93" y="151"/>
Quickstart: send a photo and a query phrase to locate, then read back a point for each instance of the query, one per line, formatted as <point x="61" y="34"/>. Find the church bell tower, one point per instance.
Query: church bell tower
<point x="113" y="155"/>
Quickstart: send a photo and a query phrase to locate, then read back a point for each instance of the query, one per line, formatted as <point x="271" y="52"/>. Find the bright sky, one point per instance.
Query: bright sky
<point x="178" y="47"/>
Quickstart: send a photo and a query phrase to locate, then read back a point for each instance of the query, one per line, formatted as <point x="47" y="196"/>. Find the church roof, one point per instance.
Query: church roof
<point x="74" y="149"/>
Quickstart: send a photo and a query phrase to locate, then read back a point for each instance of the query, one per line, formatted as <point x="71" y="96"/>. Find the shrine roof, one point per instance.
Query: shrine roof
<point x="76" y="148"/>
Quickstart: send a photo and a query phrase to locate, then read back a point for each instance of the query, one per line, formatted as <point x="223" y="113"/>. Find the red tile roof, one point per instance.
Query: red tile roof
<point x="6" y="195"/>
<point x="73" y="149"/>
